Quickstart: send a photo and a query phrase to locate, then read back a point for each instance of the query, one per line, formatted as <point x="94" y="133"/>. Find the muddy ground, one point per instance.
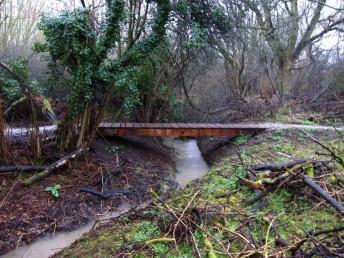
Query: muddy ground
<point x="27" y="213"/>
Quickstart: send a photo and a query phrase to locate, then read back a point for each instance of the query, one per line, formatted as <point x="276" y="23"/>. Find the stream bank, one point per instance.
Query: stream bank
<point x="30" y="213"/>
<point x="226" y="226"/>
<point x="189" y="166"/>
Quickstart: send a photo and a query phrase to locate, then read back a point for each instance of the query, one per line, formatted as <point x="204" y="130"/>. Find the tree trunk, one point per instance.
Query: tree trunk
<point x="284" y="79"/>
<point x="237" y="87"/>
<point x="3" y="138"/>
<point x="76" y="133"/>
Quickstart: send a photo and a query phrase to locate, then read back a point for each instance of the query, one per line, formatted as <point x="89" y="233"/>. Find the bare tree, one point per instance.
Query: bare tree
<point x="18" y="28"/>
<point x="288" y="27"/>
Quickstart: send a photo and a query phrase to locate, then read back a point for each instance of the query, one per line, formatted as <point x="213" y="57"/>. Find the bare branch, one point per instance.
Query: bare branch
<point x="310" y="29"/>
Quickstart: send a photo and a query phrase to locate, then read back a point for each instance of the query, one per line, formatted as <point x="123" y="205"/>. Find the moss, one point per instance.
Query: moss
<point x="146" y="230"/>
<point x="160" y="249"/>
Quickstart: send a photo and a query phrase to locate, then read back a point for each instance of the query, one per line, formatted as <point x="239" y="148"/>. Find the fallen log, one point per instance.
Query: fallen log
<point x="51" y="168"/>
<point x="333" y="202"/>
<point x="11" y="169"/>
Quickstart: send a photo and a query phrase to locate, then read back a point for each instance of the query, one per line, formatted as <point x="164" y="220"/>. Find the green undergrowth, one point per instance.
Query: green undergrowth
<point x="226" y="220"/>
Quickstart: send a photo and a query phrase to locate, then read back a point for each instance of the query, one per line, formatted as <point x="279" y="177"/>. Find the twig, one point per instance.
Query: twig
<point x="267" y="237"/>
<point x="182" y="215"/>
<point x="333" y="154"/>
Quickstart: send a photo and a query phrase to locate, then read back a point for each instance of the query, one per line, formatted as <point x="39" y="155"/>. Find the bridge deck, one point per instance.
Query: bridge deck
<point x="177" y="129"/>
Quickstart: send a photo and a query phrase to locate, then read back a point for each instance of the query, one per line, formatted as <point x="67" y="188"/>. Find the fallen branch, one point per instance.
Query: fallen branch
<point x="314" y="234"/>
<point x="15" y="103"/>
<point x="53" y="167"/>
<point x="278" y="166"/>
<point x="333" y="202"/>
<point x="10" y="169"/>
<point x="160" y="240"/>
<point x="107" y="194"/>
<point x="337" y="157"/>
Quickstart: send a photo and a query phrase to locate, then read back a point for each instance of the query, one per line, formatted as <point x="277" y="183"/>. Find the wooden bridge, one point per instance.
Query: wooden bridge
<point x="177" y="129"/>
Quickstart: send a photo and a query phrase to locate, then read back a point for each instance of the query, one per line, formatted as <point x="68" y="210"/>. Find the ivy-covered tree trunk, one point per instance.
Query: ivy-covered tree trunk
<point x="95" y="70"/>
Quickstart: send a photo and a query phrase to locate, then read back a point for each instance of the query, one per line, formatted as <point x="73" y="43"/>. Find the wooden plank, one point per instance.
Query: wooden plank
<point x="115" y="125"/>
<point x="177" y="129"/>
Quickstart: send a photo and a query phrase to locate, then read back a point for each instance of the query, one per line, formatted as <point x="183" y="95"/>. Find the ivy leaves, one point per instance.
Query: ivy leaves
<point x="54" y="190"/>
<point x="70" y="38"/>
<point x="72" y="41"/>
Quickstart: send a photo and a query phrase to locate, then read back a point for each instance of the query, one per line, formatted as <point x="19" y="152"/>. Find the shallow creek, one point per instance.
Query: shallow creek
<point x="190" y="165"/>
<point x="189" y="162"/>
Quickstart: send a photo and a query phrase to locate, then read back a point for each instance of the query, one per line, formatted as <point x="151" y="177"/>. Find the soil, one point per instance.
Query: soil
<point x="29" y="213"/>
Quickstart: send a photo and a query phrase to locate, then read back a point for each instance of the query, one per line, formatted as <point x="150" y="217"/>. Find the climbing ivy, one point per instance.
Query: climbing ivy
<point x="87" y="55"/>
<point x="72" y="40"/>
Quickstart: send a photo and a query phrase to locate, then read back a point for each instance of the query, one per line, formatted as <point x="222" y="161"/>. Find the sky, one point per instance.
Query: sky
<point x="328" y="42"/>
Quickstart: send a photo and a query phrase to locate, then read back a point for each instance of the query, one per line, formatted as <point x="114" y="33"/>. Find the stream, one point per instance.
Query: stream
<point x="190" y="165"/>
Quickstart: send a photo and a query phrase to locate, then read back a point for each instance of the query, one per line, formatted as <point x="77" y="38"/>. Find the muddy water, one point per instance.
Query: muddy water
<point x="190" y="165"/>
<point x="49" y="245"/>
